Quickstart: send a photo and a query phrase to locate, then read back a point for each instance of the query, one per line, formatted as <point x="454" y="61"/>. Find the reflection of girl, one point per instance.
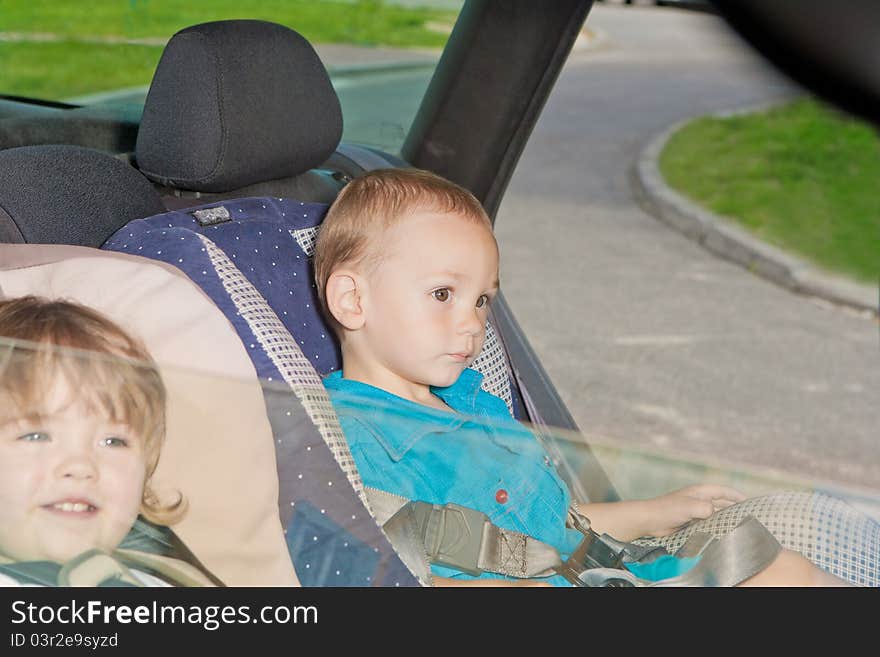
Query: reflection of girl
<point x="81" y="430"/>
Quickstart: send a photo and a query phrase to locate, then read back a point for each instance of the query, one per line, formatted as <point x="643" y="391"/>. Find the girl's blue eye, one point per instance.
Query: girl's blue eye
<point x="482" y="301"/>
<point x="34" y="436"/>
<point x="441" y="294"/>
<point x="114" y="441"/>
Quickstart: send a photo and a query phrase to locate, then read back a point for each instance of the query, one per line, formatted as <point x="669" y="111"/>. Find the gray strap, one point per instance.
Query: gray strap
<point x="401" y="528"/>
<point x="459" y="537"/>
<point x="726" y="561"/>
<point x="732" y="559"/>
<point x="464" y="538"/>
<point x="515" y="554"/>
<point x="383" y="503"/>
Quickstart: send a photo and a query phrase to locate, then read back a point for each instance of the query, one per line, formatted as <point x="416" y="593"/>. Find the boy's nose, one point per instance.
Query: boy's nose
<point x="472" y="324"/>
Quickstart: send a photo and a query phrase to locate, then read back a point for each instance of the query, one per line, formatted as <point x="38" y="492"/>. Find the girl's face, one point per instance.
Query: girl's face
<point x="70" y="480"/>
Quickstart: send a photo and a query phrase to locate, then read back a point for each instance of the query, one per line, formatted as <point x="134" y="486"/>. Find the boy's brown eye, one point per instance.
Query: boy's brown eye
<point x="441" y="295"/>
<point x="482" y="301"/>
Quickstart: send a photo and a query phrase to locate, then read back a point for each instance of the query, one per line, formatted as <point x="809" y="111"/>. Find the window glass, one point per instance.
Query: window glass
<point x="380" y="53"/>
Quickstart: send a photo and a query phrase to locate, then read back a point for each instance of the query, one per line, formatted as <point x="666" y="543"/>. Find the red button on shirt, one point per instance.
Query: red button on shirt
<point x="501" y="496"/>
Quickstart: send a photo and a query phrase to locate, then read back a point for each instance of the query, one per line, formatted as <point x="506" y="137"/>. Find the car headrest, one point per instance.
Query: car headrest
<point x="59" y="194"/>
<point x="236" y="102"/>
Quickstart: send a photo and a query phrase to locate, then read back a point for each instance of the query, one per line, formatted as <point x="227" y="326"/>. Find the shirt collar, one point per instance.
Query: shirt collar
<point x="461" y="396"/>
<point x="398" y="423"/>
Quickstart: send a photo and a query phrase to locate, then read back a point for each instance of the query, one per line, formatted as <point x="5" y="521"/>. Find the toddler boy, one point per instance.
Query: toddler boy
<point x="406" y="265"/>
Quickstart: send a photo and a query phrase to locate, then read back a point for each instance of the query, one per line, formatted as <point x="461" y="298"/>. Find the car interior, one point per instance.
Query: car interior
<point x="206" y="207"/>
<point x="233" y="141"/>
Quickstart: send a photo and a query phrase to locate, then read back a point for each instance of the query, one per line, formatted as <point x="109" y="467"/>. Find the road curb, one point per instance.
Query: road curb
<point x="356" y="70"/>
<point x="728" y="240"/>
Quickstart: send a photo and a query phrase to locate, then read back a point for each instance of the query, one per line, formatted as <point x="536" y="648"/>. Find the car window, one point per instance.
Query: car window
<point x="657" y="335"/>
<point x="678" y="363"/>
<point x="380" y="55"/>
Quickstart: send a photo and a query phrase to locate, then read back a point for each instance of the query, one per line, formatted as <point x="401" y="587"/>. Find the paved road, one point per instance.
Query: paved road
<point x="652" y="341"/>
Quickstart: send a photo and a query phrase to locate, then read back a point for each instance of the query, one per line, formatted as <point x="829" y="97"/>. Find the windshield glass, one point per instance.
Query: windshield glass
<point x="252" y="475"/>
<point x="380" y="55"/>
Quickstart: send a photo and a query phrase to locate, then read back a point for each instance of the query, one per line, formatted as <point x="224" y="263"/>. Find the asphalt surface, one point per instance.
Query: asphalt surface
<point x="651" y="340"/>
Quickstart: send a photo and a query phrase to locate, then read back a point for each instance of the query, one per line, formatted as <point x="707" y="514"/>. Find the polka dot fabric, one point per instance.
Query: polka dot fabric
<point x="227" y="261"/>
<point x="258" y="241"/>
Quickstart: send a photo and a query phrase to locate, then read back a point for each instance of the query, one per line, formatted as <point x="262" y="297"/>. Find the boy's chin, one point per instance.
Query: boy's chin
<point x="447" y="378"/>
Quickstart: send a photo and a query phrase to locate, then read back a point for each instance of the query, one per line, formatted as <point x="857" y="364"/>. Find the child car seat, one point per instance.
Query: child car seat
<point x="237" y="252"/>
<point x="252" y="256"/>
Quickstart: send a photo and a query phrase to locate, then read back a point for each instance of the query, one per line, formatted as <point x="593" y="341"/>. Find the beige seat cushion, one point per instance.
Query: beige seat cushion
<point x="218" y="451"/>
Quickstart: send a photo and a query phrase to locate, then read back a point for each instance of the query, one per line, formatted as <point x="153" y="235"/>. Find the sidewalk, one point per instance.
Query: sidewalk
<point x="734" y="243"/>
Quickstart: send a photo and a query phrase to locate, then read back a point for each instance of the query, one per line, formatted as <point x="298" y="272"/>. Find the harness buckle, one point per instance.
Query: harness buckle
<point x="454" y="536"/>
<point x="592" y="552"/>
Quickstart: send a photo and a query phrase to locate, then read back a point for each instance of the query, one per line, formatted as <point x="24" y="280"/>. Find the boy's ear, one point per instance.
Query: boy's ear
<point x="344" y="289"/>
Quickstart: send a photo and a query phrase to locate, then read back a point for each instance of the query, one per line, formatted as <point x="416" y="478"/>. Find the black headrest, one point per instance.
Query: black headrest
<point x="237" y="102"/>
<point x="69" y="195"/>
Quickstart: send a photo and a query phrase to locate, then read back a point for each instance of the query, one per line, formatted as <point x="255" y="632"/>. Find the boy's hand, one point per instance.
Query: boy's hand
<point x="659" y="516"/>
<point x="667" y="513"/>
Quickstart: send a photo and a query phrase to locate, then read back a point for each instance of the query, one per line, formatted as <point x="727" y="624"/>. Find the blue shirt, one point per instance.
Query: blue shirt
<point x="478" y="457"/>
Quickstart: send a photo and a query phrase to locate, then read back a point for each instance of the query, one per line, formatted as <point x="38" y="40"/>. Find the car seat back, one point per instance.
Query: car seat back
<point x="60" y="194"/>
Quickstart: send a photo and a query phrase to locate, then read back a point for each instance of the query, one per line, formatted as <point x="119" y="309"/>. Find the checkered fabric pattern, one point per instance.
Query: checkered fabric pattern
<point x="492" y="364"/>
<point x="306" y="238"/>
<point x="288" y="358"/>
<point x="827" y="530"/>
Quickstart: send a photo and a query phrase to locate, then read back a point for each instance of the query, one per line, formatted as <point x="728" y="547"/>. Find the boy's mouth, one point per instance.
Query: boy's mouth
<point x="460" y="357"/>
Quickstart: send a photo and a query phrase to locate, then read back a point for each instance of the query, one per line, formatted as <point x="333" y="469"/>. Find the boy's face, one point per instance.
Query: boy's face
<point x="70" y="480"/>
<point x="427" y="300"/>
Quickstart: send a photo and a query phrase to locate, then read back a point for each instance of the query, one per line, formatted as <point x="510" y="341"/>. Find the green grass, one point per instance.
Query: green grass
<point x="83" y="54"/>
<point x="365" y="22"/>
<point x="63" y="70"/>
<point x="800" y="176"/>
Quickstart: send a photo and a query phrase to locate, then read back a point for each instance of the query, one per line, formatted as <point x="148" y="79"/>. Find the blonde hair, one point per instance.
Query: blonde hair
<point x="373" y="203"/>
<point x="111" y="370"/>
